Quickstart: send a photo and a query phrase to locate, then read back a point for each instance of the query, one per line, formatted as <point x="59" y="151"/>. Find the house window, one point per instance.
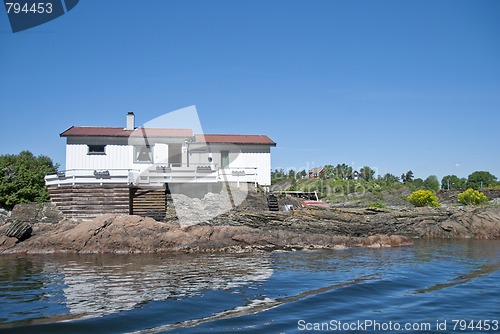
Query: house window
<point x="143" y="154"/>
<point x="96" y="149"/>
<point x="224" y="159"/>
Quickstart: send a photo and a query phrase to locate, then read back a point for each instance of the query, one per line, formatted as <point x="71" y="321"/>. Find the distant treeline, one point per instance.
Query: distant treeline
<point x="344" y="172"/>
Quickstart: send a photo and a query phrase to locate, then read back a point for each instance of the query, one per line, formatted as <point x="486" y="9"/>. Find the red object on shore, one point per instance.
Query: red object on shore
<point x="315" y="203"/>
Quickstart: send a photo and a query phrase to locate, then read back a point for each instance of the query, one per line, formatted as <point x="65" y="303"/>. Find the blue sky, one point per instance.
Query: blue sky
<point x="395" y="85"/>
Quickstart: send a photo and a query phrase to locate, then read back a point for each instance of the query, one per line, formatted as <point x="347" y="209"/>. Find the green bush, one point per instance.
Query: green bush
<point x="22" y="178"/>
<point x="423" y="198"/>
<point x="472" y="197"/>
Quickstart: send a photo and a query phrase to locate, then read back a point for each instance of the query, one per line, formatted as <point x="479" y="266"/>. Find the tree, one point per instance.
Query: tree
<point x="431" y="183"/>
<point x="328" y="172"/>
<point x="22" y="178"/>
<point x="418" y="183"/>
<point x="481" y="179"/>
<point x="366" y="173"/>
<point x="302" y="174"/>
<point x="389" y="178"/>
<point x="453" y="182"/>
<point x="343" y="172"/>
<point x="408" y="177"/>
<point x="291" y="174"/>
<point x="278" y="174"/>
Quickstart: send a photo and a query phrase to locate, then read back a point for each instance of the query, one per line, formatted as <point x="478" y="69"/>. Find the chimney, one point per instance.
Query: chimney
<point x="130" y="121"/>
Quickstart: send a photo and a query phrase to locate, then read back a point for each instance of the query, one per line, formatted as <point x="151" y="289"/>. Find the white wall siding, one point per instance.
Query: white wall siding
<point x="260" y="160"/>
<point x="254" y="161"/>
<point x="247" y="156"/>
<point x="116" y="157"/>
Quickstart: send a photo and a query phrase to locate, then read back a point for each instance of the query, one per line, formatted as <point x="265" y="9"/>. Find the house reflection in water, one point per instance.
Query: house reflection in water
<point x="96" y="286"/>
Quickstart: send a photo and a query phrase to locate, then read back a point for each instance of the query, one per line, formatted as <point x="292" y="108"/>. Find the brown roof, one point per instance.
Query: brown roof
<point x="236" y="139"/>
<point x="95" y="131"/>
<point x="161" y="132"/>
<point x="121" y="132"/>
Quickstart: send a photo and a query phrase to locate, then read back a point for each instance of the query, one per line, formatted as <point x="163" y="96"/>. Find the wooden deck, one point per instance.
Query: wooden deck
<point x="148" y="202"/>
<point x="86" y="193"/>
<point x="90" y="200"/>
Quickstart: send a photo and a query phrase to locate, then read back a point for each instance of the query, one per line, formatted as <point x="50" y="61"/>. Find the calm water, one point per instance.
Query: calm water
<point x="359" y="290"/>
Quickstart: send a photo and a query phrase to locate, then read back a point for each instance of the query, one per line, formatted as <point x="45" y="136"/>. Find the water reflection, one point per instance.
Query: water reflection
<point x="28" y="289"/>
<point x="91" y="285"/>
<point x="16" y="275"/>
<point x="166" y="292"/>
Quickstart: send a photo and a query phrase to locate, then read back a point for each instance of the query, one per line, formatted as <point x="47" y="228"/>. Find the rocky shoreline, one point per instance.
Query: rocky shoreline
<point x="445" y="222"/>
<point x="245" y="231"/>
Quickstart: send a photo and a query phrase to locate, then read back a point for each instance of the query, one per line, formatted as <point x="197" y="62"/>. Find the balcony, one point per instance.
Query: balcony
<point x="91" y="177"/>
<point x="155" y="175"/>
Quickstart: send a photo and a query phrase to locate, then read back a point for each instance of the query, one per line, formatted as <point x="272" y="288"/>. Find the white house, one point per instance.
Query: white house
<point x="158" y="156"/>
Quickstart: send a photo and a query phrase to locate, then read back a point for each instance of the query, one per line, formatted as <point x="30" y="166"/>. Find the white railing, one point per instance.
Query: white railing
<point x="91" y="176"/>
<point x="238" y="174"/>
<point x="160" y="174"/>
<point x="155" y="175"/>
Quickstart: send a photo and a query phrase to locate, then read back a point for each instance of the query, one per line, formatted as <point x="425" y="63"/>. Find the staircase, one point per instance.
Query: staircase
<point x="272" y="202"/>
